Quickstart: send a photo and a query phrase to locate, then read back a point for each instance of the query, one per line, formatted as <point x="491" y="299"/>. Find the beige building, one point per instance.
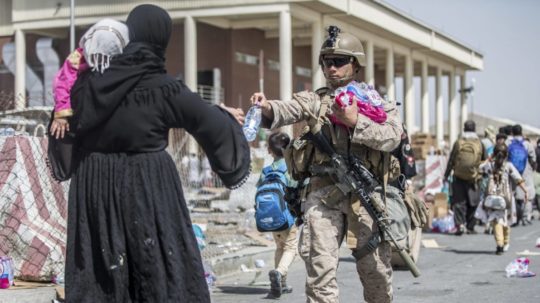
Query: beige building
<point x="216" y="46"/>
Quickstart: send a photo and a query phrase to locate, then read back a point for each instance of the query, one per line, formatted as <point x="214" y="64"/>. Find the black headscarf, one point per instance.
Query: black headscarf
<point x="96" y="96"/>
<point x="150" y="24"/>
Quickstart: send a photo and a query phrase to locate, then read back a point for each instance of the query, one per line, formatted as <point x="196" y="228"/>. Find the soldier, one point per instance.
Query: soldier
<point x="327" y="211"/>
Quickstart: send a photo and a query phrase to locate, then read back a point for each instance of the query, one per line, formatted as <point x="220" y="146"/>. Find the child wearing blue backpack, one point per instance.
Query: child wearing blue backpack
<point x="272" y="213"/>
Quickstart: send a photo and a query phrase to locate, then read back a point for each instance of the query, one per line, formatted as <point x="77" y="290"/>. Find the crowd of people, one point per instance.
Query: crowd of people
<point x="494" y="181"/>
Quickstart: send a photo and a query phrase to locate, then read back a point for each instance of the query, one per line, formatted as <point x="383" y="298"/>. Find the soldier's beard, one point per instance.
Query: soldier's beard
<point x="339" y="82"/>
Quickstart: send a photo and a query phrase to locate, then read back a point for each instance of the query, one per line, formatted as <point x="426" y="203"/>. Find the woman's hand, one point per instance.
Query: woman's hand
<point x="59" y="127"/>
<point x="237" y="113"/>
<point x="347" y="115"/>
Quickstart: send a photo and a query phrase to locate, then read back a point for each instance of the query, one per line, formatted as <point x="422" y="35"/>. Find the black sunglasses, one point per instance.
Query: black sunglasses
<point x="336" y="61"/>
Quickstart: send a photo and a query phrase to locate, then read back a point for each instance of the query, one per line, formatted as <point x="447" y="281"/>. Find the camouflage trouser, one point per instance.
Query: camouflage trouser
<point x="320" y="238"/>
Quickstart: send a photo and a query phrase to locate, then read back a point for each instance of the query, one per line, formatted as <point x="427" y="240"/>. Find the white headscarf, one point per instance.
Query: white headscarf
<point x="102" y="41"/>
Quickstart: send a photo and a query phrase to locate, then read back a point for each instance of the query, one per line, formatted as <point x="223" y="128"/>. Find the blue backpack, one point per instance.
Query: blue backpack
<point x="271" y="210"/>
<point x="518" y="155"/>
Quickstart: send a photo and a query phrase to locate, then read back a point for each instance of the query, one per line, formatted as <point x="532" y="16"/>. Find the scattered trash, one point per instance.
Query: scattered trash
<point x="259" y="263"/>
<point x="244" y="268"/>
<point x="444" y="225"/>
<point x="209" y="275"/>
<point x="527" y="253"/>
<point x="519" y="268"/>
<point x="58" y="279"/>
<point x="199" y="235"/>
<point x="6" y="272"/>
<point x="430" y="243"/>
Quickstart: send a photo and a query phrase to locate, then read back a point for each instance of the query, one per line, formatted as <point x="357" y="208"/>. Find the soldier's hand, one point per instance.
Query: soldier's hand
<point x="347" y="115"/>
<point x="260" y="100"/>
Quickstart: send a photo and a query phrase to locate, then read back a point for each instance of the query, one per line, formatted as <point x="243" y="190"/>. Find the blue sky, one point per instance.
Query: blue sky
<point x="507" y="33"/>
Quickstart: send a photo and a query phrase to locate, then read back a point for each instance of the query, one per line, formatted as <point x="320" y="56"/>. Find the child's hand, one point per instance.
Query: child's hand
<point x="59" y="127"/>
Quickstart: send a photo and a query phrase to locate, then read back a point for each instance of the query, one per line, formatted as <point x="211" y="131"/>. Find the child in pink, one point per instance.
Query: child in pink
<point x="99" y="44"/>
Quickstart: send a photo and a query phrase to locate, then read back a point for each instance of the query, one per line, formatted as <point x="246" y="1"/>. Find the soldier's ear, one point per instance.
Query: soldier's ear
<point x="356" y="67"/>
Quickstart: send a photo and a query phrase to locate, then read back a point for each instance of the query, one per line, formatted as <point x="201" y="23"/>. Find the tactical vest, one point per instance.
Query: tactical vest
<point x="302" y="157"/>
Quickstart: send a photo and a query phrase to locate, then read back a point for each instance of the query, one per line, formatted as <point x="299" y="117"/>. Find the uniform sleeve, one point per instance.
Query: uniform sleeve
<point x="63" y="82"/>
<point x="216" y="131"/>
<point x="383" y="137"/>
<point x="291" y="111"/>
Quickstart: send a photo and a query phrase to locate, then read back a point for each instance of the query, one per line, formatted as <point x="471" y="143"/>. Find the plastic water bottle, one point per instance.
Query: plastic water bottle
<point x="252" y="123"/>
<point x="6" y="272"/>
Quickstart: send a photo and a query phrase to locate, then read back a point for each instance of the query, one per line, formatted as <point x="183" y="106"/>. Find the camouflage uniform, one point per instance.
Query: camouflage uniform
<point x="328" y="212"/>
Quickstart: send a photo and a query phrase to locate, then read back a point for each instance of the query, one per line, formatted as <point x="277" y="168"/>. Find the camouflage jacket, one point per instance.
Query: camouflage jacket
<point x="366" y="136"/>
<point x="384" y="137"/>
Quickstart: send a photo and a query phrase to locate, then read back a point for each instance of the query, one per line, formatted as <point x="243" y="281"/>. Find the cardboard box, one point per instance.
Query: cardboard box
<point x="438" y="208"/>
<point x="440" y="205"/>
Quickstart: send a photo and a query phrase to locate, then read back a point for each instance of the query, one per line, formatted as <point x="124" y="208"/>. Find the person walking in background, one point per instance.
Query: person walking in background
<point x="286" y="240"/>
<point x="489" y="139"/>
<point x="507" y="131"/>
<point x="537" y="191"/>
<point x="523" y="156"/>
<point x="129" y="234"/>
<point x="496" y="208"/>
<point x="465" y="158"/>
<point x="97" y="47"/>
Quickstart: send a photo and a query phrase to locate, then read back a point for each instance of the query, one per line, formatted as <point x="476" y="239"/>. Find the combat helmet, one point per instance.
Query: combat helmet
<point x="340" y="43"/>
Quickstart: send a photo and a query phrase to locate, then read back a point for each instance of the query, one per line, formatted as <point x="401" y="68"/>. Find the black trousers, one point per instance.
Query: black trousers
<point x="464" y="200"/>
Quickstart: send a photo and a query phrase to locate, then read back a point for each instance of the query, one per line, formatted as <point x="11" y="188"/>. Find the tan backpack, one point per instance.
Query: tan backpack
<point x="467" y="159"/>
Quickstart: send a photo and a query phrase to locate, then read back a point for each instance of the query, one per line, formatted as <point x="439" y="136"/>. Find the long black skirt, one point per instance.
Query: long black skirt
<point x="130" y="237"/>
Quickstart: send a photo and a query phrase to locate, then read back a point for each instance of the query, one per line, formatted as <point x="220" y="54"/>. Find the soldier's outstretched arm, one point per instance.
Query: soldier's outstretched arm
<point x="278" y="113"/>
<point x="384" y="137"/>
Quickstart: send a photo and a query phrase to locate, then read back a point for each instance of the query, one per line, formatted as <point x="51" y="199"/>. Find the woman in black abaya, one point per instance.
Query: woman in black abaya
<point x="129" y="232"/>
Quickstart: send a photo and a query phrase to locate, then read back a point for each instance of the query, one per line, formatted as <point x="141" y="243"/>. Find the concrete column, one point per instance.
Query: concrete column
<point x="369" y="71"/>
<point x="317" y="76"/>
<point x="20" y="69"/>
<point x="452" y="116"/>
<point x="285" y="60"/>
<point x="190" y="66"/>
<point x="409" y="94"/>
<point x="425" y="98"/>
<point x="439" y="117"/>
<point x="190" y="53"/>
<point x="464" y="109"/>
<point x="390" y="84"/>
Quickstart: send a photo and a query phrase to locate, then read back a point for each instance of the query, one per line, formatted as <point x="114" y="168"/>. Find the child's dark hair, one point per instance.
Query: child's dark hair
<point x="500" y="153"/>
<point x="277" y="142"/>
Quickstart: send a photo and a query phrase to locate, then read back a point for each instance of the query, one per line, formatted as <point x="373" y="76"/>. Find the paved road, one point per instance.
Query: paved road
<point x="465" y="269"/>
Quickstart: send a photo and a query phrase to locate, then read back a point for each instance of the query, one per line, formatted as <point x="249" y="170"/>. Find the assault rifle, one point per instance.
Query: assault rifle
<point x="358" y="179"/>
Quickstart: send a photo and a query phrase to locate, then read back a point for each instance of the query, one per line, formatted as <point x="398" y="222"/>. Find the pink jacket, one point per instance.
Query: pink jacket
<point x="64" y="80"/>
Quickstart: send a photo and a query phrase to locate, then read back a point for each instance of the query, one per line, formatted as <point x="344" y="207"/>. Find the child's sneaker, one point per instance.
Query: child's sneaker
<point x="275" y="284"/>
<point x="506" y="247"/>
